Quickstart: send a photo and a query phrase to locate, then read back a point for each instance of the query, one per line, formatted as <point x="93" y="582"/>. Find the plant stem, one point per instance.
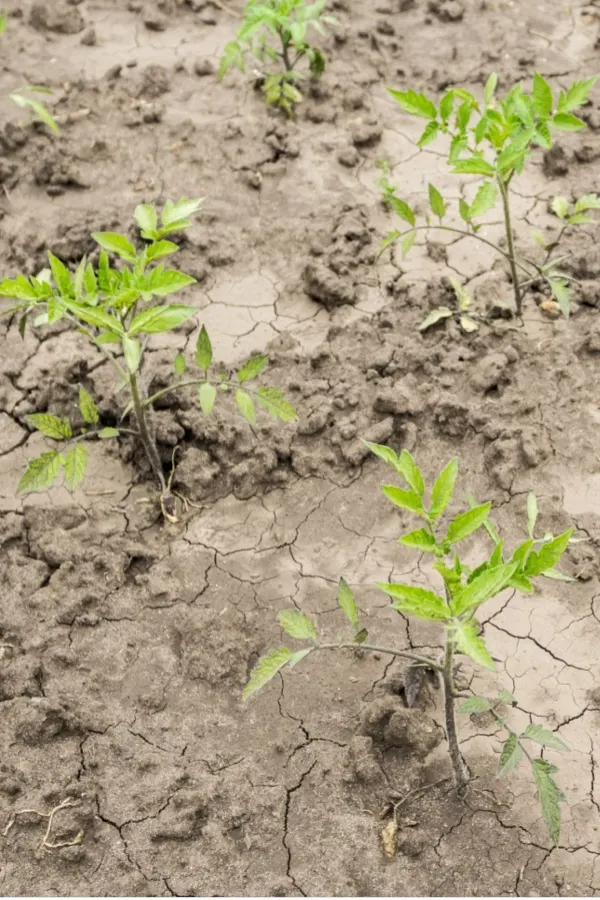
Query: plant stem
<point x="461" y="777"/>
<point x="510" y="243"/>
<point x="424" y="660"/>
<point x="145" y="436"/>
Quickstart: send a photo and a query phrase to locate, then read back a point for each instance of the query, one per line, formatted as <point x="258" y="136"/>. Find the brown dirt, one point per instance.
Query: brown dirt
<point x="124" y="645"/>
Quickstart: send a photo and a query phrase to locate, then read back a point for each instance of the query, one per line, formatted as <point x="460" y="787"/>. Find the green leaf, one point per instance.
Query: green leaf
<point x="252" y="368"/>
<point x="443" y="489"/>
<point x="51" y="426"/>
<point x="542" y="96"/>
<point x="542" y="136"/>
<point x="447" y="105"/>
<point x="87" y="407"/>
<point x="560" y="206"/>
<point x="490" y="88"/>
<point x="579" y="219"/>
<point x="576" y="95"/>
<point x="36" y="107"/>
<point x="567" y="122"/>
<point x="75" y="462"/>
<point x="132" y="350"/>
<point x="347" y="603"/>
<point x="388" y="240"/>
<point x="160" y="249"/>
<point x="473" y="166"/>
<point x="464" y="210"/>
<point x="161" y="281"/>
<point x="474" y="705"/>
<point x="411" y="473"/>
<point x="485" y="199"/>
<point x="179" y="364"/>
<point x="402" y="210"/>
<point x="435" y="316"/>
<point x="207" y="395"/>
<point x="159" y="319"/>
<point x="421" y="539"/>
<point x="430" y="132"/>
<point x="271" y="399"/>
<point x="146" y="219"/>
<point x="483" y="588"/>
<point x="548" y="555"/>
<point x="468" y="324"/>
<point x="588" y="201"/>
<point x="179" y="213"/>
<point x="436" y="202"/>
<point x="265" y="669"/>
<point x="408" y="242"/>
<point x="506" y="697"/>
<point x="106" y="433"/>
<point x="404" y="499"/>
<point x="383" y="452"/>
<point x="297" y="625"/>
<point x="550" y="796"/>
<point x="96" y="317"/>
<point x="204" y="351"/>
<point x="361" y="636"/>
<point x="246" y="406"/>
<point x="511" y="755"/>
<point x="3" y="18"/>
<point x="555" y="575"/>
<point x="544" y="736"/>
<point x="462" y="295"/>
<point x="415" y="601"/>
<point x="471" y="644"/>
<point x="61" y="275"/>
<point x="532" y="513"/>
<point x="115" y="243"/>
<point x="40" y="472"/>
<point x="468" y="522"/>
<point x="414" y="103"/>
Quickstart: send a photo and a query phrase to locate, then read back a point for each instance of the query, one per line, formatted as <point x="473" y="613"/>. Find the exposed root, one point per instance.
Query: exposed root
<point x="47" y="844"/>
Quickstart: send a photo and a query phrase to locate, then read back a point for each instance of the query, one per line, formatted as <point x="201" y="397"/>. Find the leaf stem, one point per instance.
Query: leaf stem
<point x="405" y="654"/>
<point x="146" y="438"/>
<point x="510" y="243"/>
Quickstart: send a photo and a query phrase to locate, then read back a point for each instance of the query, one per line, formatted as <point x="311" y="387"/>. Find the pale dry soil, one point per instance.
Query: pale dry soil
<point x="125" y="643"/>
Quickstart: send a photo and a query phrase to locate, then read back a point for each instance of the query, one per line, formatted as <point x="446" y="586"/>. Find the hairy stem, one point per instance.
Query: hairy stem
<point x="405" y="654"/>
<point x="510" y="244"/>
<point x="461" y="777"/>
<point x="145" y="436"/>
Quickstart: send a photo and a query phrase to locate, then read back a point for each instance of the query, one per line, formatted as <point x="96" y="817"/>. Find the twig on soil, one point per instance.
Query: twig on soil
<point x="46" y="844"/>
<point x="226" y="8"/>
<point x="417" y="792"/>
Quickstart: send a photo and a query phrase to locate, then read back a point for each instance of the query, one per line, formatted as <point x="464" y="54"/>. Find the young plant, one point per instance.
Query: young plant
<point x="465" y="320"/>
<point x="494" y="139"/>
<point x="388" y="190"/>
<point x="454" y="609"/>
<point x="121" y="307"/>
<point x="21" y="97"/>
<point x="275" y="31"/>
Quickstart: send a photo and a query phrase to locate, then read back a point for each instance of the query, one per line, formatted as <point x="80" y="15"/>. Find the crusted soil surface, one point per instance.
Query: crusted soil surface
<point x="124" y="643"/>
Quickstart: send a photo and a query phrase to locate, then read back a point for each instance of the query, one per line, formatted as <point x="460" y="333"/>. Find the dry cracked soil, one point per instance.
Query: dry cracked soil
<point x="124" y="642"/>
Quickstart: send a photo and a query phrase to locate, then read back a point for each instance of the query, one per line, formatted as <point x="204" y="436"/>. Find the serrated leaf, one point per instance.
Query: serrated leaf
<point x="75" y="463"/>
<point x="347" y="603"/>
<point x="96" y="317"/>
<point x="415" y="601"/>
<point x="160" y="249"/>
<point x="560" y="206"/>
<point x="204" y="351"/>
<point x="474" y="705"/>
<point x="567" y="122"/>
<point x="297" y="625"/>
<point x="483" y="588"/>
<point x="435" y="316"/>
<point x="473" y="166"/>
<point x="161" y="282"/>
<point x="550" y="796"/>
<point x="421" y="539"/>
<point x="542" y="136"/>
<point x="383" y="452"/>
<point x="587" y="201"/>
<point x="88" y="408"/>
<point x="485" y="199"/>
<point x="179" y="364"/>
<point x="252" y="368"/>
<point x="60" y="274"/>
<point x="429" y="134"/>
<point x="146" y="219"/>
<point x="180" y="211"/>
<point x="414" y="103"/>
<point x="160" y="319"/>
<point x="106" y="433"/>
<point x="576" y="95"/>
<point x="246" y="406"/>
<point x="408" y="243"/>
<point x="511" y="755"/>
<point x="548" y="555"/>
<point x="464" y="210"/>
<point x="532" y="513"/>
<point x="544" y="736"/>
<point x="41" y="472"/>
<point x="443" y="489"/>
<point x="466" y="523"/>
<point x="51" y="426"/>
<point x="207" y="395"/>
<point x="403" y="210"/>
<point x="411" y="473"/>
<point x="265" y="669"/>
<point x="471" y="644"/>
<point x="132" y="350"/>
<point x="542" y="96"/>
<point x="272" y="401"/>
<point x="490" y="88"/>
<point x="115" y="243"/>
<point x="404" y="499"/>
<point x="436" y="202"/>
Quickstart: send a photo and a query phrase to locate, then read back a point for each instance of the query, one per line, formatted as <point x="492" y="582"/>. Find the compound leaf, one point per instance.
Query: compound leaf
<point x="550" y="796"/>
<point x="576" y="95"/>
<point x="265" y="669"/>
<point x="297" y="625"/>
<point x="347" y="603"/>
